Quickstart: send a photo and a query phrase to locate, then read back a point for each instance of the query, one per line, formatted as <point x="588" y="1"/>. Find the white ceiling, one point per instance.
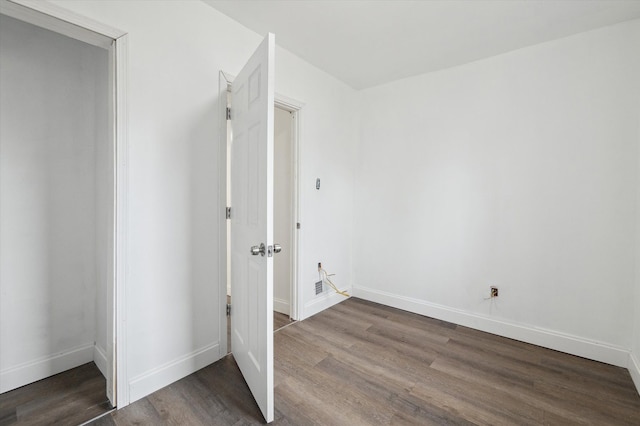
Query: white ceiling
<point x="367" y="43"/>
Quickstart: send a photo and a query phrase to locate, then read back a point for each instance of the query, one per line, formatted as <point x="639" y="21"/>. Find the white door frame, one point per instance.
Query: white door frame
<point x="63" y="21"/>
<point x="295" y="107"/>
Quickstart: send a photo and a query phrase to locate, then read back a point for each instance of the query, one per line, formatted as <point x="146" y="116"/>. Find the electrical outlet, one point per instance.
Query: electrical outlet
<point x="494" y="291"/>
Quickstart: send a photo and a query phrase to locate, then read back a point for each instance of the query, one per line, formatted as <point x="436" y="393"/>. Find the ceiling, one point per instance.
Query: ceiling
<point x="368" y="43"/>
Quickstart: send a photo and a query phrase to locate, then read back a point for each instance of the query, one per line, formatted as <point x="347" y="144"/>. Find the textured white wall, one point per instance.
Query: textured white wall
<point x="53" y="102"/>
<point x="176" y="49"/>
<point x="517" y="171"/>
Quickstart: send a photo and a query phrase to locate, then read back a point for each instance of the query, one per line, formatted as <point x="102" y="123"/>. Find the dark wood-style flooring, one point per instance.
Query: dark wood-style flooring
<point x="280" y="320"/>
<point x="360" y="363"/>
<point x="69" y="398"/>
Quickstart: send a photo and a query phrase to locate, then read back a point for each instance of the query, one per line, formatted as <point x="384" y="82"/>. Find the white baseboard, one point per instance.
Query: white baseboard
<point x="551" y="339"/>
<point x="634" y="370"/>
<point x="38" y="369"/>
<point x="322" y="302"/>
<point x="157" y="378"/>
<point x="281" y="306"/>
<point x="100" y="358"/>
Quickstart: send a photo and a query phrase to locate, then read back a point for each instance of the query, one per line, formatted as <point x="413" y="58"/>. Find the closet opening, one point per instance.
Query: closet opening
<point x="62" y="143"/>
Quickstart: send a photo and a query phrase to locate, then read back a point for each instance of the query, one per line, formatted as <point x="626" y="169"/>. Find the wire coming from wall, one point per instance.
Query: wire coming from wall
<point x="324" y="276"/>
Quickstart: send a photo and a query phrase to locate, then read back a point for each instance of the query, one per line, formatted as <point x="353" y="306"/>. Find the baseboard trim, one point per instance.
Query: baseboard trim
<point x="157" y="378"/>
<point x="32" y="371"/>
<point x="100" y="358"/>
<point x="634" y="370"/>
<point x="551" y="339"/>
<point x="323" y="302"/>
<point x="281" y="306"/>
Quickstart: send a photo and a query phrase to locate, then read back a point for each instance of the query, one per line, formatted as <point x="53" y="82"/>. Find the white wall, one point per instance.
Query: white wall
<point x="634" y="358"/>
<point x="53" y="101"/>
<point x="634" y="361"/>
<point x="176" y="49"/>
<point x="517" y="171"/>
<point x="282" y="209"/>
<point x="104" y="209"/>
<point x="328" y="141"/>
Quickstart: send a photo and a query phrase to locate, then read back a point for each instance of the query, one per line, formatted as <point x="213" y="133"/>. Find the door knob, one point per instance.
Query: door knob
<point x="258" y="250"/>
<point x="277" y="248"/>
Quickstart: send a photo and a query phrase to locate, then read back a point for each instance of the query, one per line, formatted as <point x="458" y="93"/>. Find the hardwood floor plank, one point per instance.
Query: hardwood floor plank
<point x="358" y="322"/>
<point x="550" y="404"/>
<point x="403" y="335"/>
<point x="175" y="408"/>
<point x="280" y="320"/>
<point x="142" y="412"/>
<point x="340" y="404"/>
<point x="592" y="405"/>
<point x="228" y="393"/>
<point x="390" y="363"/>
<point x="465" y="401"/>
<point x="309" y="348"/>
<point x="340" y="334"/>
<point x="554" y="419"/>
<point x="615" y="379"/>
<point x="506" y="348"/>
<point x="303" y="406"/>
<point x="517" y="365"/>
<point x="72" y="397"/>
<point x="360" y="363"/>
<point x="426" y="415"/>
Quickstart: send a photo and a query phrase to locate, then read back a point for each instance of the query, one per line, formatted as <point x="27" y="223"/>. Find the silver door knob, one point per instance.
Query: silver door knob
<point x="258" y="250"/>
<point x="277" y="248"/>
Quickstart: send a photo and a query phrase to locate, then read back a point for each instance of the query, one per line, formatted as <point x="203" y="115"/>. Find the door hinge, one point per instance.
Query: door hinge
<point x="228" y="309"/>
<point x="228" y="113"/>
<point x="298" y="225"/>
<point x="228" y="212"/>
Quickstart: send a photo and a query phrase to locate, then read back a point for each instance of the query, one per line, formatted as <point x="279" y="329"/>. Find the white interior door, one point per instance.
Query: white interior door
<point x="252" y="103"/>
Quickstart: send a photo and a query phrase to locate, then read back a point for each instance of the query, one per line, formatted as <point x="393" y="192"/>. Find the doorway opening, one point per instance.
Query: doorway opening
<point x="63" y="192"/>
<point x="284" y="226"/>
<point x="287" y="119"/>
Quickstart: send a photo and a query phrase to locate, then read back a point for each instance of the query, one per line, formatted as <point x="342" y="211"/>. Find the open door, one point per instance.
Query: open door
<point x="252" y="244"/>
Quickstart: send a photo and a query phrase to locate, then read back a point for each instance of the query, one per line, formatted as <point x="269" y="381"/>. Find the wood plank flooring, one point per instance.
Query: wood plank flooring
<point x="360" y="363"/>
<point x="280" y="320"/>
<point x="69" y="398"/>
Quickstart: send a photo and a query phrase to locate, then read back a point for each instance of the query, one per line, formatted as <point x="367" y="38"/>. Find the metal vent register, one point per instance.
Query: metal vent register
<point x="319" y="287"/>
